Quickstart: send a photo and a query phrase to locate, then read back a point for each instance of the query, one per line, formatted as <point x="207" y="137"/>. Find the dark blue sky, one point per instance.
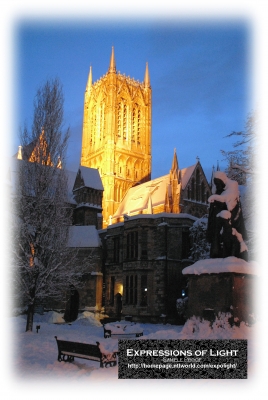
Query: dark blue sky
<point x="200" y="76"/>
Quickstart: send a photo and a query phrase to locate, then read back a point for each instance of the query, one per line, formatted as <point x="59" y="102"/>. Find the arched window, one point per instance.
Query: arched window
<point x="119" y="119"/>
<point x="125" y="121"/>
<point x="202" y="192"/>
<point x="197" y="185"/>
<point x="102" y="120"/>
<point x="193" y="189"/>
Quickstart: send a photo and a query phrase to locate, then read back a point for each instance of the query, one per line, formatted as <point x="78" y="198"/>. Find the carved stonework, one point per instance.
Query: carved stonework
<point x="117" y="133"/>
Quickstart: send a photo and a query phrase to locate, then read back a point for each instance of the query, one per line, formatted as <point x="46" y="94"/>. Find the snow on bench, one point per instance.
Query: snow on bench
<point x="67" y="350"/>
<point x="122" y="328"/>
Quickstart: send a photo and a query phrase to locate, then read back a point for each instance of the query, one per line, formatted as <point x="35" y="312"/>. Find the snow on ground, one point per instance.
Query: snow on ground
<point x="34" y="359"/>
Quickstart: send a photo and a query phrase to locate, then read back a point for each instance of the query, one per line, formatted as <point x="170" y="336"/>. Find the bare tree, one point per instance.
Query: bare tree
<point x="43" y="263"/>
<point x="240" y="161"/>
<point x="241" y="167"/>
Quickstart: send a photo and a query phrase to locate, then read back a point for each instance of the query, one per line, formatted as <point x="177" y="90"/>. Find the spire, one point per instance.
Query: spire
<point x="89" y="81"/>
<point x="174" y="172"/>
<point x="112" y="67"/>
<point x="146" y="77"/>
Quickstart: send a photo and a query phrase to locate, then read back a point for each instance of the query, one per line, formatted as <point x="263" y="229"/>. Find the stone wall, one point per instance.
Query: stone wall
<point x="153" y="273"/>
<point x="210" y="294"/>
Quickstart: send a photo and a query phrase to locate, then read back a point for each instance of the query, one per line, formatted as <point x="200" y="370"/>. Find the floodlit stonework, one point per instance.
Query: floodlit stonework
<point x="116" y="135"/>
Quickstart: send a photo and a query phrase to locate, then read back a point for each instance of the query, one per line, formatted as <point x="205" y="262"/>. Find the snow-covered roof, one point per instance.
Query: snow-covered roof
<point x="91" y="178"/>
<point x="220" y="265"/>
<point x="186" y="174"/>
<point x="143" y="196"/>
<point x="83" y="236"/>
<point x="150" y="194"/>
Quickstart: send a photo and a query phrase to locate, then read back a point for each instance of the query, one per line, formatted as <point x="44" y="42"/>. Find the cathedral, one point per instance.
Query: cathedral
<point x="116" y="140"/>
<point x="137" y="228"/>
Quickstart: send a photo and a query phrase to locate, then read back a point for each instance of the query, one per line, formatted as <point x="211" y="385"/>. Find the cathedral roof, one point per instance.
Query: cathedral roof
<point x="150" y="194"/>
<point x="186" y="174"/>
<point x="143" y="196"/>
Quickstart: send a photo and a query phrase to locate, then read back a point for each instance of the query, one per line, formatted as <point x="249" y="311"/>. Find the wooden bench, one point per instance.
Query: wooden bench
<point x="68" y="350"/>
<point x="121" y="328"/>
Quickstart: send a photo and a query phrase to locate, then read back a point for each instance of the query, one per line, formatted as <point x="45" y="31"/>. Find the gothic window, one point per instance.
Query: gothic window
<point x="116" y="249"/>
<point x="197" y="185"/>
<point x="133" y="134"/>
<point x="193" y="189"/>
<point x="125" y="121"/>
<point x="143" y="290"/>
<point x="202" y="192"/>
<point x="135" y="294"/>
<point x="139" y="126"/>
<point x="119" y="119"/>
<point x="102" y="124"/>
<point x="188" y="192"/>
<point x="101" y="121"/>
<point x="132" y="245"/>
<point x="144" y="244"/>
<point x="137" y="170"/>
<point x="94" y="123"/>
<point x="136" y="124"/>
<point x="131" y="289"/>
<point x="92" y="126"/>
<point x="186" y="244"/>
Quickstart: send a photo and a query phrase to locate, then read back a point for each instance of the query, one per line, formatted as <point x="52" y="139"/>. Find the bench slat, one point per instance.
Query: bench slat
<point x="69" y="353"/>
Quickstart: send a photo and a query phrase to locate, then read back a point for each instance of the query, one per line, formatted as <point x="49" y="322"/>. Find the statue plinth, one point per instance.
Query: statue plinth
<point x="221" y="286"/>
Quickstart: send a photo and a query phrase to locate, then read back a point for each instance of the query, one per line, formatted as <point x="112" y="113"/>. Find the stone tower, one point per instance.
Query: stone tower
<point x="116" y="136"/>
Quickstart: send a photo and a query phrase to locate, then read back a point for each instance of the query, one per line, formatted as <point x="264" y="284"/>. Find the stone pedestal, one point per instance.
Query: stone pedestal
<point x="225" y="292"/>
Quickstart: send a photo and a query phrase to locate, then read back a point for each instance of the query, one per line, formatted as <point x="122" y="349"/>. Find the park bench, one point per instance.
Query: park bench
<point x="122" y="328"/>
<point x="67" y="350"/>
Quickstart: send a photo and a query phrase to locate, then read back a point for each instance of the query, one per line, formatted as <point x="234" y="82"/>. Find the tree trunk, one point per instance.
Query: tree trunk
<point x="30" y="314"/>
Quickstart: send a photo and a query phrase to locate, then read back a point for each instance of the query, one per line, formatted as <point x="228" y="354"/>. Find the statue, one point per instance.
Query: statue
<point x="226" y="230"/>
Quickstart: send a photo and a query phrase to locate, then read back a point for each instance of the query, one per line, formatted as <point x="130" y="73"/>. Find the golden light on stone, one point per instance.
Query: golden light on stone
<point x="116" y="135"/>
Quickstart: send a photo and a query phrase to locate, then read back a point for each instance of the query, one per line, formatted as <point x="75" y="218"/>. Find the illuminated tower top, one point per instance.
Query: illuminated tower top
<point x="116" y="136"/>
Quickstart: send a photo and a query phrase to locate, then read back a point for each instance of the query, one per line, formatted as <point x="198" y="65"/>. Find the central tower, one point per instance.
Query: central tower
<point x="116" y="136"/>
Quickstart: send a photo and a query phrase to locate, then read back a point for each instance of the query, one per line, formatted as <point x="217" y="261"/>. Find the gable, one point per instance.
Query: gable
<point x="88" y="177"/>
